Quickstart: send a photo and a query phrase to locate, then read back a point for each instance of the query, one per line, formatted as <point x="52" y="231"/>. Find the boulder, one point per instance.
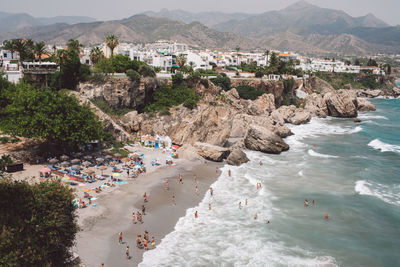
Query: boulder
<point x="211" y="152"/>
<point x="237" y="157"/>
<point x="365" y="105"/>
<point x="188" y="152"/>
<point x="341" y="104"/>
<point x="277" y="117"/>
<point x="265" y="104"/>
<point x="300" y="116"/>
<point x="357" y="120"/>
<point x="316" y="105"/>
<point x="369" y="93"/>
<point x="261" y="139"/>
<point x="396" y="91"/>
<point x="282" y="130"/>
<point x="286" y="112"/>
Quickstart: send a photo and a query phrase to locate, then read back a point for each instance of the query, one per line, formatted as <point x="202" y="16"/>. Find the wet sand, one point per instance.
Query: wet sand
<point x="97" y="242"/>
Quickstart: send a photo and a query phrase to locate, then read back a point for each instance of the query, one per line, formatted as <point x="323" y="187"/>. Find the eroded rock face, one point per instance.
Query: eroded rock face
<point x="237" y="157"/>
<point x="188" y="152"/>
<point x="265" y="104"/>
<point x="316" y="84"/>
<point x="365" y="105"/>
<point x="341" y="104"/>
<point x="261" y="139"/>
<point x="211" y="152"/>
<point x="292" y="115"/>
<point x="369" y="93"/>
<point x="316" y="105"/>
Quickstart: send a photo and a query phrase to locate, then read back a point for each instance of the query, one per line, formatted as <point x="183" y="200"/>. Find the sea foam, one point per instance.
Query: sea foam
<point x="319" y="155"/>
<point x="384" y="147"/>
<point x="389" y="194"/>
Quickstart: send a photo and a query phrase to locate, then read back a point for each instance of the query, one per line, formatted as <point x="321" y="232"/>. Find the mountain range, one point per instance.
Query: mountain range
<point x="300" y="27"/>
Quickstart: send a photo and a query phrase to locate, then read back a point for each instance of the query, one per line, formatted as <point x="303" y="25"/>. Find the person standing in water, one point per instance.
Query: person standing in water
<point x="326" y="216"/>
<point x="229" y="173"/>
<point x="209" y="206"/>
<point x="153" y="243"/>
<point x="313" y="202"/>
<point x="246" y="202"/>
<point x="195" y="215"/>
<point x="211" y="191"/>
<point x="255" y="216"/>
<point x="305" y="202"/>
<point x="240" y="205"/>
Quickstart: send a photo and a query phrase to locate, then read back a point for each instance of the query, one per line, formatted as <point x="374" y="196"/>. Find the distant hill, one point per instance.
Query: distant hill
<point x="209" y="19"/>
<point x="300" y="17"/>
<point x="10" y="22"/>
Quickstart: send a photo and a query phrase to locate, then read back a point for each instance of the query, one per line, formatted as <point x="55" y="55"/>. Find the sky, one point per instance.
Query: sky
<point x="387" y="10"/>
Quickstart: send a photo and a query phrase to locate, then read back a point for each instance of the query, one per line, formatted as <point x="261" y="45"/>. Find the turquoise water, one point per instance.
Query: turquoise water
<point x="351" y="170"/>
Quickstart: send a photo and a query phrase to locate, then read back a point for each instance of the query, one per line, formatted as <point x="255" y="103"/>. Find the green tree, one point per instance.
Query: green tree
<point x="9" y="45"/>
<point x="40" y="49"/>
<point x="4" y="161"/>
<point x="38" y="223"/>
<point x="112" y="42"/>
<point x="49" y="115"/>
<point x="177" y="79"/>
<point x="181" y="60"/>
<point x="133" y="75"/>
<point x="371" y="62"/>
<point x="74" y="45"/>
<point x="223" y="82"/>
<point x="357" y="62"/>
<point x="120" y="63"/>
<point x="274" y="62"/>
<point x="266" y="53"/>
<point x="104" y="66"/>
<point x="95" y="55"/>
<point x="71" y="69"/>
<point x="147" y="71"/>
<point x="23" y="48"/>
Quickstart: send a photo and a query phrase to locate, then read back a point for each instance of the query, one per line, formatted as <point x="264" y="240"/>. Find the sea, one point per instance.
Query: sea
<point x="351" y="171"/>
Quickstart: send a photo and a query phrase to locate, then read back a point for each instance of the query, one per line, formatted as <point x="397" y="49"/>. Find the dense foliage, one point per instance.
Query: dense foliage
<point x="106" y="108"/>
<point x="46" y="114"/>
<point x="133" y="75"/>
<point x="4" y="161"/>
<point x="223" y="82"/>
<point x="38" y="223"/>
<point x="168" y="96"/>
<point x="362" y="80"/>
<point x="147" y="71"/>
<point x="249" y="92"/>
<point x="289" y="97"/>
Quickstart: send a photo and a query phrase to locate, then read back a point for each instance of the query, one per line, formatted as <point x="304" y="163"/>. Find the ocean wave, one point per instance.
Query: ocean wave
<point x="319" y="155"/>
<point x="384" y="147"/>
<point x="389" y="194"/>
<point x="366" y="116"/>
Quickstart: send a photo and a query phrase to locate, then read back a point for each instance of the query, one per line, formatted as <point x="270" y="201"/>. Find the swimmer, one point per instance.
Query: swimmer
<point x="306" y="202"/>
<point x="211" y="191"/>
<point x="267" y="222"/>
<point x="255" y="216"/>
<point x="313" y="202"/>
<point x="260" y="163"/>
<point x="326" y="216"/>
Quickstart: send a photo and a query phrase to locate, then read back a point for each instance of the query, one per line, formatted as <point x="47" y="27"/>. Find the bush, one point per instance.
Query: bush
<point x="164" y="112"/>
<point x="120" y="63"/>
<point x="147" y="71"/>
<point x="106" y="108"/>
<point x="205" y="83"/>
<point x="97" y="77"/>
<point x="4" y="140"/>
<point x="190" y="103"/>
<point x="177" y="79"/>
<point x="133" y="75"/>
<point x="223" y="82"/>
<point x="259" y="74"/>
<point x="249" y="92"/>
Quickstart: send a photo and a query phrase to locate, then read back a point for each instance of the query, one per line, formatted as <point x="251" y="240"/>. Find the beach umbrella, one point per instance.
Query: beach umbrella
<point x="75" y="161"/>
<point x="109" y="157"/>
<point x="125" y="160"/>
<point x="76" y="167"/>
<point x="116" y="174"/>
<point x="86" y="163"/>
<point x="113" y="163"/>
<point x="117" y="155"/>
<point x="155" y="159"/>
<point x="102" y="168"/>
<point x="65" y="164"/>
<point x="88" y="171"/>
<point x="99" y="159"/>
<point x="175" y="147"/>
<point x="64" y="157"/>
<point x="53" y="161"/>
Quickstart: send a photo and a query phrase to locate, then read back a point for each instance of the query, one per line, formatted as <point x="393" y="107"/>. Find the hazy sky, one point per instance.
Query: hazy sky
<point x="387" y="10"/>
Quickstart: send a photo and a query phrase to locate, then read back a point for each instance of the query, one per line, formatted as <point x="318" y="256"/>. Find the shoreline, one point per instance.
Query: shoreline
<point x="98" y="241"/>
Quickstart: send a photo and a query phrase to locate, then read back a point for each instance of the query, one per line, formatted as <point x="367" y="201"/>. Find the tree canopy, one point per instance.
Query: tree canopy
<point x="38" y="223"/>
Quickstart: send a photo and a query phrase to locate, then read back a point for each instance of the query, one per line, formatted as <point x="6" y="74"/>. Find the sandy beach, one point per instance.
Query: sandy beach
<point x="97" y="242"/>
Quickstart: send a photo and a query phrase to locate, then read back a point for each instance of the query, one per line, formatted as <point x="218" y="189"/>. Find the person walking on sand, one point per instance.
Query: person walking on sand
<point x="229" y="173"/>
<point x="153" y="243"/>
<point x="196" y="191"/>
<point x="127" y="253"/>
<point x="120" y="237"/>
<point x="102" y="265"/>
<point x="195" y="179"/>
<point x="145" y="244"/>
<point x="166" y="187"/>
<point x="146" y="236"/>
<point x="139" y="242"/>
<point x="133" y="217"/>
<point x="143" y="210"/>
<point x="211" y="191"/>
<point x="195" y="215"/>
<point x="216" y="170"/>
<point x="173" y="199"/>
<point x="145" y="197"/>
<point x="180" y="179"/>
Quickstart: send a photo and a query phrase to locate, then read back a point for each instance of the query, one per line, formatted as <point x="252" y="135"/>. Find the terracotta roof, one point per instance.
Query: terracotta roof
<point x="286" y="55"/>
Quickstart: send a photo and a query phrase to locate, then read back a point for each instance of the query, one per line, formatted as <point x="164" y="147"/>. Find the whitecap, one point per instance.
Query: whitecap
<point x="384" y="147"/>
<point x="366" y="116"/>
<point x="386" y="193"/>
<point x="316" y="154"/>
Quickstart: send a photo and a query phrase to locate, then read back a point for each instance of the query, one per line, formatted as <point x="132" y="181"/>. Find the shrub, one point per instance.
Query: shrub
<point x="249" y="92"/>
<point x="164" y="112"/>
<point x="4" y="140"/>
<point x="133" y="75"/>
<point x="259" y="74"/>
<point x="190" y="103"/>
<point x="223" y="82"/>
<point x="177" y="79"/>
<point x="147" y="71"/>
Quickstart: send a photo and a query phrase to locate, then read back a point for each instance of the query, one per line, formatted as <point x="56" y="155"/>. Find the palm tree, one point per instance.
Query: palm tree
<point x="181" y="60"/>
<point x="95" y="55"/>
<point x="9" y="45"/>
<point x="21" y="48"/>
<point x="74" y="45"/>
<point x="61" y="56"/>
<point x="112" y="43"/>
<point x="40" y="49"/>
<point x="54" y="49"/>
<point x="266" y="53"/>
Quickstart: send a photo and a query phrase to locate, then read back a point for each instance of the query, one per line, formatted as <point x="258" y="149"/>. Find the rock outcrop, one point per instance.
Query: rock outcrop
<point x="315" y="84"/>
<point x="211" y="152"/>
<point x="292" y="115"/>
<point x="341" y="104"/>
<point x="261" y="139"/>
<point x="365" y="105"/>
<point x="188" y="152"/>
<point x="369" y="93"/>
<point x="316" y="105"/>
<point x="237" y="157"/>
